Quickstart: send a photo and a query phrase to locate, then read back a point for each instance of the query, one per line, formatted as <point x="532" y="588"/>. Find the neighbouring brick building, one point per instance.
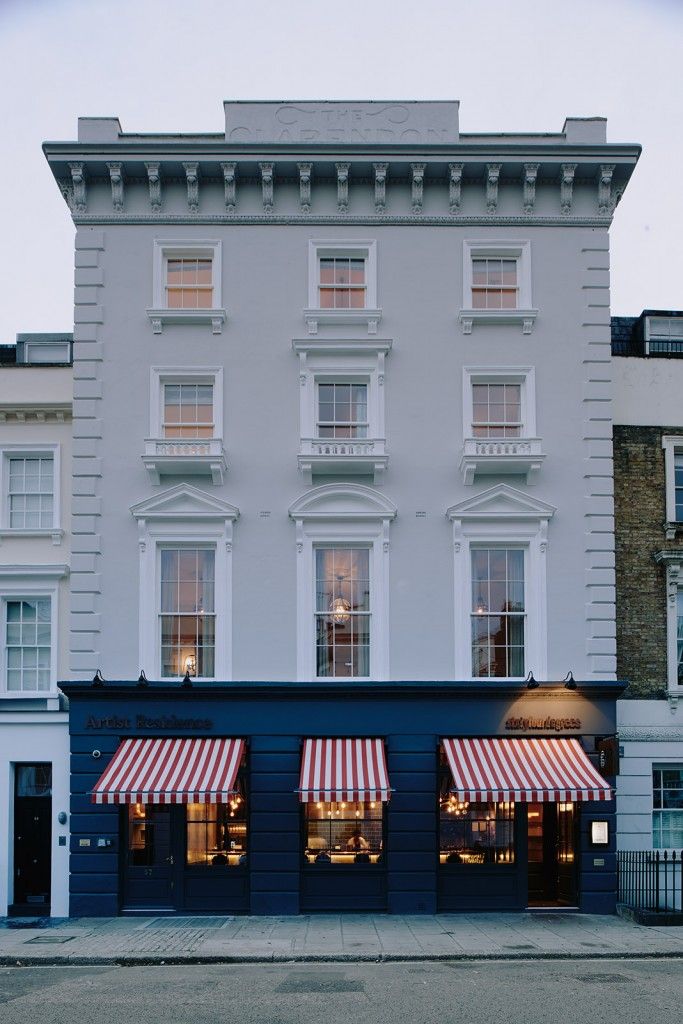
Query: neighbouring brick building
<point x="648" y="505"/>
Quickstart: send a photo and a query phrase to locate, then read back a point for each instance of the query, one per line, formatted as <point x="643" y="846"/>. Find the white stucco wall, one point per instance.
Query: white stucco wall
<point x="647" y="391"/>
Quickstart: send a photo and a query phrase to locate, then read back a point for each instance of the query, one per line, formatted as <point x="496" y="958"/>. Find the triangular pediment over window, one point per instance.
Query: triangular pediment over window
<point x="501" y="502"/>
<point x="184" y="502"/>
<point x="342" y="501"/>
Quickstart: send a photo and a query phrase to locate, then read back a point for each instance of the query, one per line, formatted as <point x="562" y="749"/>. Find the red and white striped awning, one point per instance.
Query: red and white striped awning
<point x="528" y="770"/>
<point x="343" y="769"/>
<point x="171" y="771"/>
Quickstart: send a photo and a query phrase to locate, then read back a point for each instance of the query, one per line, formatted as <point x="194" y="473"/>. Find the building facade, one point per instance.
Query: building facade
<point x="36" y="481"/>
<point x="648" y="489"/>
<point x="342" y="623"/>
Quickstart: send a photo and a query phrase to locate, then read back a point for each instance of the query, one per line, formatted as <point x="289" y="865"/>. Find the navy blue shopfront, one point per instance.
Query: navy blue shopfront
<point x="278" y="855"/>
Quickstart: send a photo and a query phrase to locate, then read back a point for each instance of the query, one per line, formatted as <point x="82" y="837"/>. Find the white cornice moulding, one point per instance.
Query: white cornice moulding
<point x="344" y="502"/>
<point x="469" y="317"/>
<point x="184" y="502"/>
<point x="321" y="346"/>
<point x="34" y="572"/>
<point x="215" y="317"/>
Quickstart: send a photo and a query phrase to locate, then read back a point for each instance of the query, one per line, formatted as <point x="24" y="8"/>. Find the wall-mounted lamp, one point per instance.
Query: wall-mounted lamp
<point x="531" y="683"/>
<point x="98" y="679"/>
<point x="569" y="681"/>
<point x="142" y="679"/>
<point x="61" y="817"/>
<point x="187" y="682"/>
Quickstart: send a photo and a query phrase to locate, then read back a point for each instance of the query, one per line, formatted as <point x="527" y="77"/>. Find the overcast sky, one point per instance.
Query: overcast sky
<point x="167" y="65"/>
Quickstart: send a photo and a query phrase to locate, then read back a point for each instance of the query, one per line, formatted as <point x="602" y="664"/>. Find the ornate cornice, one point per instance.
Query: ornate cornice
<point x="366" y="219"/>
<point x="35" y="413"/>
<point x="79" y="198"/>
<point x="649" y="734"/>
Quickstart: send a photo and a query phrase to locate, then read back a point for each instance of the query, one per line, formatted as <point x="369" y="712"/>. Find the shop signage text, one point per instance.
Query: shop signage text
<point x="144" y="722"/>
<point x="542" y="724"/>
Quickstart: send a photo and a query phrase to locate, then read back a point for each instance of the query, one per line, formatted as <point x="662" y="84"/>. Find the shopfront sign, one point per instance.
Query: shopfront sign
<point x="171" y="722"/>
<point x="546" y="724"/>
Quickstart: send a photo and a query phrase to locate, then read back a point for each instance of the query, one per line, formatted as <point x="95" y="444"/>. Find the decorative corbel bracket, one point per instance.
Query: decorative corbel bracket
<point x="380" y="187"/>
<point x="154" y="181"/>
<point x="492" y="176"/>
<point x="605" y="189"/>
<point x="116" y="177"/>
<point x="192" y="176"/>
<point x="418" y="173"/>
<point x="530" y="174"/>
<point x="342" y="187"/>
<point x="229" y="185"/>
<point x="305" y="187"/>
<point x="266" y="170"/>
<point x="78" y="180"/>
<point x="567" y="187"/>
<point x="454" y="187"/>
<point x="673" y="562"/>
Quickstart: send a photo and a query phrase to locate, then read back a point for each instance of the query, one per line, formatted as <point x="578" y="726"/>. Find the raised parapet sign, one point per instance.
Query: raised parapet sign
<point x="390" y="122"/>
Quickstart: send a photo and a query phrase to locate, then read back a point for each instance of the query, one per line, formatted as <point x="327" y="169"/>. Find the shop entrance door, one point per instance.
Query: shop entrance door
<point x="551" y="830"/>
<point x="32" y="839"/>
<point x="149" y="863"/>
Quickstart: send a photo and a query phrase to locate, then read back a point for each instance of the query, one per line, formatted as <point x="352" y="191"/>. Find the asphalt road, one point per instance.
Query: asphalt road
<point x="614" y="991"/>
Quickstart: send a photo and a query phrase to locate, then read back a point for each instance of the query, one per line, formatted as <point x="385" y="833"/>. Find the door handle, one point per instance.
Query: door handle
<point x="169" y="860"/>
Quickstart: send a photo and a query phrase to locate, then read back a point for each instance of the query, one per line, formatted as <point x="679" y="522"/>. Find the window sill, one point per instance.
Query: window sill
<point x="49" y="695"/>
<point x="185" y="457"/>
<point x="469" y="317"/>
<point x="343" y="457"/>
<point x="320" y="317"/>
<point x="215" y="317"/>
<point x="520" y="456"/>
<point x="55" y="533"/>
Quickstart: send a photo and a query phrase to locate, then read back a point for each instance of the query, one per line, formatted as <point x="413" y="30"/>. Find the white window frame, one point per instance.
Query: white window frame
<point x="166" y="545"/>
<point x="23" y="451"/>
<point x="659" y="765"/>
<point x="339" y="361"/>
<point x="365" y="249"/>
<point x="162" y="375"/>
<point x="673" y="446"/>
<point x="356" y="545"/>
<point x="502" y="517"/>
<point x="26" y="583"/>
<point x="525" y="376"/>
<point x="342" y="515"/>
<point x="159" y="313"/>
<point x="672" y="560"/>
<point x="478" y="545"/>
<point x="521" y="456"/>
<point x="524" y="314"/>
<point x="184" y="516"/>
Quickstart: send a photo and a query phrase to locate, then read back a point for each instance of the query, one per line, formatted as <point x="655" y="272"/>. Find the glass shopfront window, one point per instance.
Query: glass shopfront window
<point x="217" y="834"/>
<point x="344" y="832"/>
<point x="474" y="833"/>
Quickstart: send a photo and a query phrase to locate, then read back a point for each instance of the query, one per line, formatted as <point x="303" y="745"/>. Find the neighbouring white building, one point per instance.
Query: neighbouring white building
<point x="35" y="510"/>
<point x="648" y="481"/>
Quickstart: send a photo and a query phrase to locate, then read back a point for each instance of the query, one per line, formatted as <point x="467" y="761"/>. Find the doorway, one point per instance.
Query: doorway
<point x="552" y="859"/>
<point x="148" y="881"/>
<point x="32" y="840"/>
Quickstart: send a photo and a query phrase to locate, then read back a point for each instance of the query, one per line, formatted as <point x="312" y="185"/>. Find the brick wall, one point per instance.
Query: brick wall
<point x="640" y="514"/>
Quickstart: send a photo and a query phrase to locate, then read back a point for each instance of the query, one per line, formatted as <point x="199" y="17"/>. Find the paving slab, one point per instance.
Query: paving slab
<point x="336" y="938"/>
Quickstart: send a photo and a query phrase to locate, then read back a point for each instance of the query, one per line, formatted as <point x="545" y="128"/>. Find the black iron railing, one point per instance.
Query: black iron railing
<point x="651" y="880"/>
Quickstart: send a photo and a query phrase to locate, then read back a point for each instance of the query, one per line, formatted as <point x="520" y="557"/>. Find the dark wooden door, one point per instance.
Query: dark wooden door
<point x="32" y="838"/>
<point x="149" y="866"/>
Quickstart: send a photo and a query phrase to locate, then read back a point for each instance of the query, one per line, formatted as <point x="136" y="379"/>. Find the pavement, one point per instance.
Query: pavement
<point x="333" y="938"/>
